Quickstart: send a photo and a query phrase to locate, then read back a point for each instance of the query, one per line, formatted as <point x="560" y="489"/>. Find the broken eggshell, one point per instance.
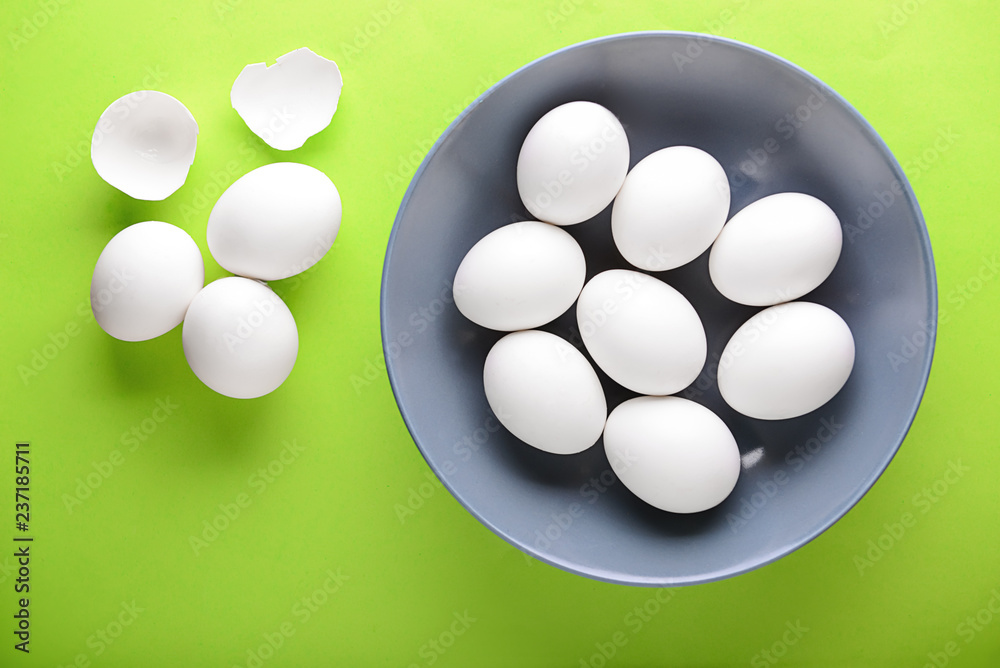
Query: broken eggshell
<point x="290" y="101"/>
<point x="144" y="144"/>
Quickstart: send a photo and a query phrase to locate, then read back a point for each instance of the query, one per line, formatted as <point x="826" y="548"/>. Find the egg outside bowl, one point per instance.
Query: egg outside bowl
<point x="774" y="127"/>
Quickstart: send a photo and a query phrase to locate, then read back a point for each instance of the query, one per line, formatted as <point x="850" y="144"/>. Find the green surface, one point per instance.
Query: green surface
<point x="342" y="464"/>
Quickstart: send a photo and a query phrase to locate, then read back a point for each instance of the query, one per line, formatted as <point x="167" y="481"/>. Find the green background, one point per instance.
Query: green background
<point x="917" y="71"/>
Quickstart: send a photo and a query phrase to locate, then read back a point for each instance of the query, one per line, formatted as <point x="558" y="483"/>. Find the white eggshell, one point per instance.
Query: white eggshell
<point x="670" y="209"/>
<point x="144" y="144"/>
<point x="672" y="453"/>
<point x="544" y="391"/>
<point x="275" y="221"/>
<point x="520" y="276"/>
<point x="572" y="163"/>
<point x="290" y="101"/>
<point x="786" y="361"/>
<point x="776" y="249"/>
<point x="643" y="333"/>
<point x="144" y="280"/>
<point x="239" y="338"/>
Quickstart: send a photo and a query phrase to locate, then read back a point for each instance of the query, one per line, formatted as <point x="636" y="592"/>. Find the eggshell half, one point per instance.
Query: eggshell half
<point x="144" y="144"/>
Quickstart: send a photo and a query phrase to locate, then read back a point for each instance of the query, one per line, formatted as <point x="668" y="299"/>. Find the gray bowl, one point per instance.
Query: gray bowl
<point x="773" y="127"/>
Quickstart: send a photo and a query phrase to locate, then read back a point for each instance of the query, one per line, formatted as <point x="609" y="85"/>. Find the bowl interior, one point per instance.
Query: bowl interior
<point x="774" y="128"/>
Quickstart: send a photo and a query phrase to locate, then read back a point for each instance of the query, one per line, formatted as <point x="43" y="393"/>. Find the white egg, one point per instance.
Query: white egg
<point x="290" y="101"/>
<point x="643" y="333"/>
<point x="520" y="276"/>
<point x="672" y="453"/>
<point x="144" y="280"/>
<point x="670" y="209"/>
<point x="544" y="391"/>
<point x="776" y="249"/>
<point x="144" y="144"/>
<point x="275" y="221"/>
<point x="786" y="361"/>
<point x="239" y="338"/>
<point x="572" y="163"/>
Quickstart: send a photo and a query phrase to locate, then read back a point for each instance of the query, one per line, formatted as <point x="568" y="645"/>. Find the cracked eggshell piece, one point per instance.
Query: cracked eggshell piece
<point x="144" y="280"/>
<point x="144" y="144"/>
<point x="275" y="221"/>
<point x="287" y="103"/>
<point x="239" y="338"/>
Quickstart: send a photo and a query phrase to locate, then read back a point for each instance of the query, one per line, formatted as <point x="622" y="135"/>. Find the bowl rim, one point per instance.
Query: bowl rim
<point x="837" y="513"/>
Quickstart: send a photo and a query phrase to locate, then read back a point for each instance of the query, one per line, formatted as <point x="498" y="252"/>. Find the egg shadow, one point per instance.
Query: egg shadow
<point x="121" y="211"/>
<point x="138" y="365"/>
